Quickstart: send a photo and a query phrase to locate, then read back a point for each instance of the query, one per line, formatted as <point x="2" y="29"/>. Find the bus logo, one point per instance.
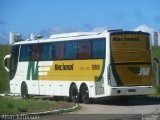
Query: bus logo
<point x="32" y="71"/>
<point x="144" y="71"/>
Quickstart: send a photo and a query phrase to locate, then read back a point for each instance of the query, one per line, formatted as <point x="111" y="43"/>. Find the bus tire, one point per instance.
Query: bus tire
<point x="85" y="94"/>
<point x="74" y="95"/>
<point x="24" y="91"/>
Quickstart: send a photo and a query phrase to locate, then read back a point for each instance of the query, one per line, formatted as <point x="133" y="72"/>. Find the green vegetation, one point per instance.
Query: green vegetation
<point x="9" y="106"/>
<point x="14" y="106"/>
<point x="157" y="90"/>
<point x="4" y="76"/>
<point x="156" y="52"/>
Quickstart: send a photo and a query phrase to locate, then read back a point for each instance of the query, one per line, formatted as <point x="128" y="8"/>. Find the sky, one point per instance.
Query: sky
<point x="48" y="17"/>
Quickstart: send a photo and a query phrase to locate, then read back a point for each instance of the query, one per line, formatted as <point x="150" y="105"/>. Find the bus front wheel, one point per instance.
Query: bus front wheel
<point x="24" y="91"/>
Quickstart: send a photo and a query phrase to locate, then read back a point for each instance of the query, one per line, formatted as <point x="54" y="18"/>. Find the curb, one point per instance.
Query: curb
<point x="55" y="111"/>
<point x="2" y="95"/>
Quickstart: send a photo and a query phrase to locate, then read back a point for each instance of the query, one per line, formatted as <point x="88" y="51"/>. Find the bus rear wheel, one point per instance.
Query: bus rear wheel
<point x="74" y="95"/>
<point x="24" y="91"/>
<point x="85" y="94"/>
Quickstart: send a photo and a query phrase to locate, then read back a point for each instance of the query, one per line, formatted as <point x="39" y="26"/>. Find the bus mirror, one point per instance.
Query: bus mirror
<point x="6" y="62"/>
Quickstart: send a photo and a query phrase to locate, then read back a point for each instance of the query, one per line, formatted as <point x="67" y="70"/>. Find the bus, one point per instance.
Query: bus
<point x="82" y="65"/>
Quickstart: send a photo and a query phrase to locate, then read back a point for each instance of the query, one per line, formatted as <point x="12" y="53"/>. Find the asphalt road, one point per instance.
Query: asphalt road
<point x="134" y="106"/>
<point x="135" y="109"/>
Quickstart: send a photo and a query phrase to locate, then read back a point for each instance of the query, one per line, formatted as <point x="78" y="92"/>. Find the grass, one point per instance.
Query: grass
<point x="11" y="106"/>
<point x="156" y="52"/>
<point x="4" y="76"/>
<point x="15" y="106"/>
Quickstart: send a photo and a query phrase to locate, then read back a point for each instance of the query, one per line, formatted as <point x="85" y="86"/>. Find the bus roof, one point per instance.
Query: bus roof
<point x="64" y="37"/>
<point x="77" y="35"/>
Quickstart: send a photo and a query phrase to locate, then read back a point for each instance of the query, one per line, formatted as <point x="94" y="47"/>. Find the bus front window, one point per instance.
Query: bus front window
<point x="14" y="61"/>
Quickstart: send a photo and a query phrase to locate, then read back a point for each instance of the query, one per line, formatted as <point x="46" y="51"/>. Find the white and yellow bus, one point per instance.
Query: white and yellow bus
<point x="82" y="65"/>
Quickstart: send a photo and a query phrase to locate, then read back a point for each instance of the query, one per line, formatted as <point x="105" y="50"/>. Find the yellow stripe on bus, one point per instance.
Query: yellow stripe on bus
<point x="88" y="70"/>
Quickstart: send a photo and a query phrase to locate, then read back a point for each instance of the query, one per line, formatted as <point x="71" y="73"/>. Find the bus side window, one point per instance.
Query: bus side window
<point x="71" y="50"/>
<point x="59" y="51"/>
<point x="98" y="49"/>
<point x="25" y="53"/>
<point x="84" y="51"/>
<point x="46" y="52"/>
<point x="35" y="53"/>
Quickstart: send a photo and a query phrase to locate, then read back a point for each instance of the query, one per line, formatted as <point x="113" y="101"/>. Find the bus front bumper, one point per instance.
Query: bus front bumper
<point x="136" y="90"/>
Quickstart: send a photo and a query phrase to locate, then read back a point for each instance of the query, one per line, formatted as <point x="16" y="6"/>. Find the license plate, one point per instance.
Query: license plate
<point x="132" y="90"/>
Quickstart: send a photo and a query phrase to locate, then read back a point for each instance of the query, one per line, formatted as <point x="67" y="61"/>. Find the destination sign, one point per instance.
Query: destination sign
<point x="125" y="38"/>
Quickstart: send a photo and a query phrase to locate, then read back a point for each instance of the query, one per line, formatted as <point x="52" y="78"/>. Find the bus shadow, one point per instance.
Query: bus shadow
<point x="138" y="101"/>
<point x="144" y="101"/>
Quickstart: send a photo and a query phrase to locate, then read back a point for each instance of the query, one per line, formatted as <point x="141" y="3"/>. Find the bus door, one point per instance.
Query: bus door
<point x="28" y="69"/>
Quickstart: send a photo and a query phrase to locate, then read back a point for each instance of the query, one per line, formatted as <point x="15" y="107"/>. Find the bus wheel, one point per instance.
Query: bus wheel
<point x="24" y="91"/>
<point x="85" y="94"/>
<point x="74" y="94"/>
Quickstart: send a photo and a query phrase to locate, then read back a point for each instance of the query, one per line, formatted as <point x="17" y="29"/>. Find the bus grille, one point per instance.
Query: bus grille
<point x="134" y="70"/>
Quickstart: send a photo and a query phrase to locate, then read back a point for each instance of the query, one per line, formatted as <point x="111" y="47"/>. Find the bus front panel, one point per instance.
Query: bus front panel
<point x="131" y="59"/>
